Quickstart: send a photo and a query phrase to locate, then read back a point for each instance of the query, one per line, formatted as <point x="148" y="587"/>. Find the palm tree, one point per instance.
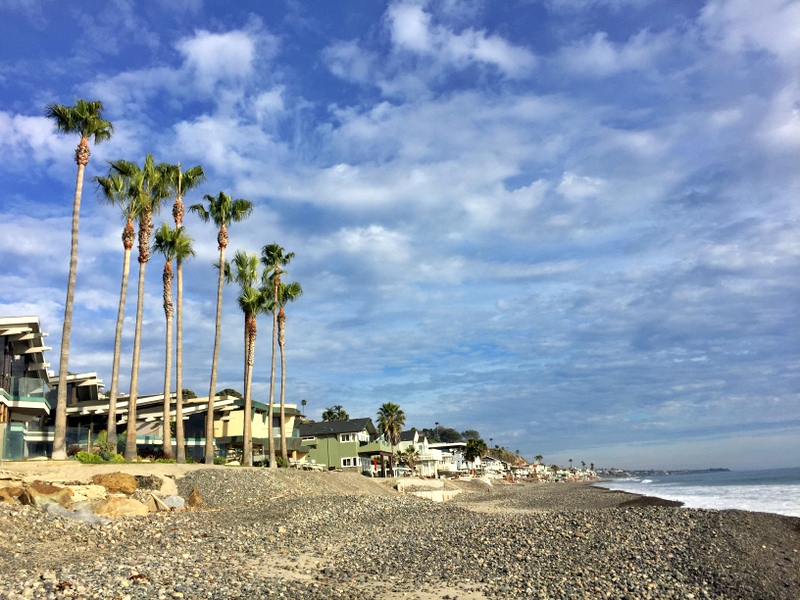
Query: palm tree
<point x="166" y="242"/>
<point x="570" y="464"/>
<point x="178" y="183"/>
<point x="538" y="458"/>
<point x="335" y="413"/>
<point x="222" y="210"/>
<point x="303" y="402"/>
<point x="183" y="251"/>
<point x="85" y="119"/>
<point x="476" y="448"/>
<point x="252" y="300"/>
<point x="408" y="457"/>
<point x="147" y="186"/>
<point x="286" y="293"/>
<point x="116" y="190"/>
<point x="273" y="257"/>
<point x="391" y="419"/>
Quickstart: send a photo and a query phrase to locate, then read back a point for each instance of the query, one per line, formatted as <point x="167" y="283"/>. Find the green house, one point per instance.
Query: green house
<point x="352" y="445"/>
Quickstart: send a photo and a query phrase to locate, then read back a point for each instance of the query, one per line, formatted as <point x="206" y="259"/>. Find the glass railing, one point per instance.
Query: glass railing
<point x="27" y="387"/>
<point x="276" y="432"/>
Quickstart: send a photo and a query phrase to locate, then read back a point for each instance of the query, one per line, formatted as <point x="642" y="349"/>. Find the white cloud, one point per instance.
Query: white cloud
<point x="412" y="31"/>
<point x="24" y="139"/>
<point x="269" y="105"/>
<point x="579" y="187"/>
<point x="220" y="66"/>
<point x="596" y="56"/>
<point x="213" y="58"/>
<point x="741" y="25"/>
<point x="781" y="127"/>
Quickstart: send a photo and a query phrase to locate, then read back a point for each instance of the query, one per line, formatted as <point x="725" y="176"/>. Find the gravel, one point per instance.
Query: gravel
<point x="266" y="534"/>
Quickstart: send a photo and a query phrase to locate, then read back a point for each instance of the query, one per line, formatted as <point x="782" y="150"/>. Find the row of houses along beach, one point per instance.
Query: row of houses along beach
<point x="28" y="392"/>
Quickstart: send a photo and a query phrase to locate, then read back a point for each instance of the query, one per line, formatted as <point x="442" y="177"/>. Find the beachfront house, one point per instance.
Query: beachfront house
<point x="494" y="467"/>
<point x="229" y="425"/>
<point x="24" y="386"/>
<point x="453" y="460"/>
<point x="427" y="458"/>
<point x="350" y="445"/>
<point x="87" y="415"/>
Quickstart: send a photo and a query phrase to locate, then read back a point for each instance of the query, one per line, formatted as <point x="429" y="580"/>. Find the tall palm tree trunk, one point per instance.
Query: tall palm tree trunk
<point x="209" y="450"/>
<point x="168" y="308"/>
<point x="272" y="464"/>
<point x="180" y="443"/>
<point x="60" y="436"/>
<point x="130" y="435"/>
<point x="250" y="345"/>
<point x="111" y="427"/>
<point x="281" y="344"/>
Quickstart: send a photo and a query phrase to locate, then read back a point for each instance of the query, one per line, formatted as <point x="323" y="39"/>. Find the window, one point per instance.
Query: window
<point x="351" y="462"/>
<point x="347" y="437"/>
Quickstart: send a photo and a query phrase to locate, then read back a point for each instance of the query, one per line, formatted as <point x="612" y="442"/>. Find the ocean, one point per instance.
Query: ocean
<point x="769" y="490"/>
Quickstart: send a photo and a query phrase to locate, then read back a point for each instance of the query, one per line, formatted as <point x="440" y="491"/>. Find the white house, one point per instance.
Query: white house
<point x="428" y="459"/>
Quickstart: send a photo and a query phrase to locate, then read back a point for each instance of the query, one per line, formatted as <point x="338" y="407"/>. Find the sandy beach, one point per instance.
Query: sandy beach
<point x="290" y="534"/>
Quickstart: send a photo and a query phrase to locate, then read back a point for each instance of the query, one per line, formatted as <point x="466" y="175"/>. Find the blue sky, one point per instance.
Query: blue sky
<point x="569" y="224"/>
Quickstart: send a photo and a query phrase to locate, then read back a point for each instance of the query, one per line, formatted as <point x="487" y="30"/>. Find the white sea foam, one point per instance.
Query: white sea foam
<point x="781" y="499"/>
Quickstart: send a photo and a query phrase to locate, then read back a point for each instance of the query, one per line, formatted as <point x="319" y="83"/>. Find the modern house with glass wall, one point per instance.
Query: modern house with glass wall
<point x="24" y="385"/>
<point x="88" y="417"/>
<point x="28" y="397"/>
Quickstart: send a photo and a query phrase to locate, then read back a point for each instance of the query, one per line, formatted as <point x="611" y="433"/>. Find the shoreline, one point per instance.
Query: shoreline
<point x="341" y="535"/>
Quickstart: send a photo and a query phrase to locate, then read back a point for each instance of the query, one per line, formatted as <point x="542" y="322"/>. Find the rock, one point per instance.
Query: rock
<point x="148" y="482"/>
<point x="10" y="494"/>
<point x="175" y="502"/>
<point x="194" y="500"/>
<point x="119" y="506"/>
<point x="116" y="482"/>
<point x="152" y="505"/>
<point x="81" y="493"/>
<point x="169" y="487"/>
<point x="39" y="493"/>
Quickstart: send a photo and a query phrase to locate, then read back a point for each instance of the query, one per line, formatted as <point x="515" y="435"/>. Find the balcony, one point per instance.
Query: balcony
<point x="24" y="387"/>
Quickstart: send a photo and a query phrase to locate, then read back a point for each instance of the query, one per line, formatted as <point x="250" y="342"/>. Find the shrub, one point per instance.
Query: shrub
<point x="281" y="462"/>
<point x="103" y="446"/>
<point x="189" y="460"/>
<point x="116" y="458"/>
<point x="73" y="449"/>
<point x="165" y="460"/>
<point x="88" y="457"/>
<point x="218" y="460"/>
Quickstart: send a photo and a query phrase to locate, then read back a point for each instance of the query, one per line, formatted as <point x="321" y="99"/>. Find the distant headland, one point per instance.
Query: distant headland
<point x="654" y="472"/>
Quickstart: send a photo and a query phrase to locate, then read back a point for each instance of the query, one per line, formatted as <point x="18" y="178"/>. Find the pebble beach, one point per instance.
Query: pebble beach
<point x="293" y="534"/>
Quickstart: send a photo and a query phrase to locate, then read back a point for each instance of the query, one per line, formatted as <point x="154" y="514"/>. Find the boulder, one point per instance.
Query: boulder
<point x="81" y="493"/>
<point x="169" y="487"/>
<point x="148" y="482"/>
<point x="10" y="494"/>
<point x="119" y="506"/>
<point x="40" y="493"/>
<point x="156" y="503"/>
<point x="174" y="502"/>
<point x="116" y="483"/>
<point x="194" y="500"/>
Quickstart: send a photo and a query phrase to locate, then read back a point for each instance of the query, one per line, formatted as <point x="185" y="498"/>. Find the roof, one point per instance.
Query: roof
<point x="336" y="427"/>
<point x="408" y="436"/>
